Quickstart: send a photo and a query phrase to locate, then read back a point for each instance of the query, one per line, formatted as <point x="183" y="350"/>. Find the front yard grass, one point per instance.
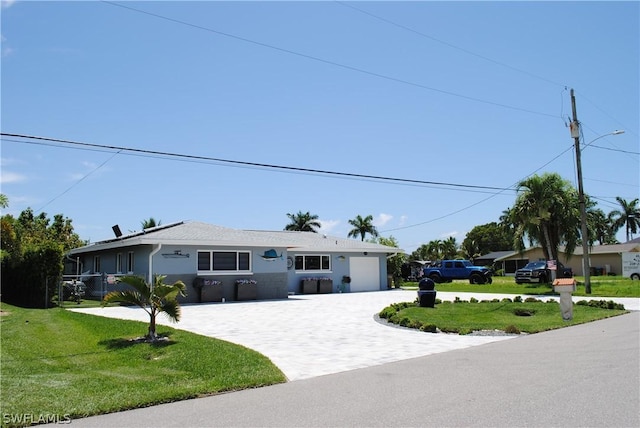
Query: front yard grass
<point x="601" y="286"/>
<point x="511" y="315"/>
<point x="70" y="365"/>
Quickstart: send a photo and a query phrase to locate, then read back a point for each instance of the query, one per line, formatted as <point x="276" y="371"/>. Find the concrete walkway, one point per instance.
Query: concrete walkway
<point x="314" y="335"/>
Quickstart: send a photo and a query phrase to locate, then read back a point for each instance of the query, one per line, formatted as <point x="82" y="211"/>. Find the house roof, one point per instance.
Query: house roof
<point x="596" y="249"/>
<point x="197" y="233"/>
<point x="494" y="255"/>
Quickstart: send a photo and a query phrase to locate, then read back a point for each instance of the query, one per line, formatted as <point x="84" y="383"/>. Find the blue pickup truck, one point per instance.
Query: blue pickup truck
<point x="448" y="270"/>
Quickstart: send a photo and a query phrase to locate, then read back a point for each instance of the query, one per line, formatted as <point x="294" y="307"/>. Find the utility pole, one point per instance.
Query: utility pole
<point x="575" y="133"/>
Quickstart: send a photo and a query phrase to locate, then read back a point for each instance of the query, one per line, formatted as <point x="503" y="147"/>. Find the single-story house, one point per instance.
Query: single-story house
<point x="489" y="258"/>
<point x="603" y="259"/>
<point x="211" y="260"/>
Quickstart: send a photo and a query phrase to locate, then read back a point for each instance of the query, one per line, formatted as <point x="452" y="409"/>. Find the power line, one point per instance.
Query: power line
<point x="285" y="168"/>
<point x="468" y="52"/>
<point x="325" y="61"/>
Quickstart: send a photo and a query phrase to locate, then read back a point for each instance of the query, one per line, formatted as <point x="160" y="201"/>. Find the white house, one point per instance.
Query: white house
<point x="211" y="259"/>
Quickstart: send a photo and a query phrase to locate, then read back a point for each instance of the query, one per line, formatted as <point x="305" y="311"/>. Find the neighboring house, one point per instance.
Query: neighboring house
<point x="489" y="258"/>
<point x="193" y="252"/>
<point x="603" y="258"/>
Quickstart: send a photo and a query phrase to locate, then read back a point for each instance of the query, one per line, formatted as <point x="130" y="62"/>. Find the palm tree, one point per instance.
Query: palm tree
<point x="600" y="227"/>
<point x="303" y="222"/>
<point x="151" y="222"/>
<point x="362" y="226"/>
<point x="449" y="248"/>
<point x="434" y="250"/>
<point x="4" y="201"/>
<point x="546" y="212"/>
<point x="628" y="216"/>
<point x="154" y="298"/>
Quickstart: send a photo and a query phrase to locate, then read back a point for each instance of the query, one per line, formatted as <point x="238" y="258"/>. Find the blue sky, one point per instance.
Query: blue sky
<point x="466" y="93"/>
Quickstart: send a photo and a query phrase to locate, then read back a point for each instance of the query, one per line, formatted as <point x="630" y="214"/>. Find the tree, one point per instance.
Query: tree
<point x="600" y="227"/>
<point x="628" y="216"/>
<point x="32" y="256"/>
<point x="449" y="248"/>
<point x="362" y="226"/>
<point x="149" y="223"/>
<point x="154" y="298"/>
<point x="4" y="201"/>
<point x="394" y="263"/>
<point x="303" y="222"/>
<point x="546" y="212"/>
<point x="487" y="238"/>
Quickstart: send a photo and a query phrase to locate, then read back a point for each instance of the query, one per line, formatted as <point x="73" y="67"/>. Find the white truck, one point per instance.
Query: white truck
<point x="631" y="265"/>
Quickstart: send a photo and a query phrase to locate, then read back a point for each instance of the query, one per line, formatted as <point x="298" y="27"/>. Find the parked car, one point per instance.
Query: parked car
<point x="448" y="270"/>
<point x="538" y="272"/>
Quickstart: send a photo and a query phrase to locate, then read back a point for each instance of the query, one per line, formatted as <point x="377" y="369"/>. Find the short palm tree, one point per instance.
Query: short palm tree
<point x="154" y="298"/>
<point x="303" y="222"/>
<point x="362" y="226"/>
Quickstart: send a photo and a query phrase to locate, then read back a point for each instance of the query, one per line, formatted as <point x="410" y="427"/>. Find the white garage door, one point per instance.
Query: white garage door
<point x="364" y="273"/>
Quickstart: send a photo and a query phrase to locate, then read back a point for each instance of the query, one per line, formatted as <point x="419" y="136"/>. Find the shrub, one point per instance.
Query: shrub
<point x="512" y="329"/>
<point x="602" y="304"/>
<point x="473" y="300"/>
<point x="517" y="299"/>
<point x="429" y="328"/>
<point x="532" y="300"/>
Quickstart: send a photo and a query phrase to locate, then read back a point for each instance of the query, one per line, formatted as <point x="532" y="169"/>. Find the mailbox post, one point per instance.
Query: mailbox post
<point x="565" y="286"/>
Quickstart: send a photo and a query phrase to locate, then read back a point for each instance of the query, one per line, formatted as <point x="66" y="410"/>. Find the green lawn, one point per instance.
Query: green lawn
<point x="66" y="364"/>
<point x="601" y="286"/>
<point x="464" y="317"/>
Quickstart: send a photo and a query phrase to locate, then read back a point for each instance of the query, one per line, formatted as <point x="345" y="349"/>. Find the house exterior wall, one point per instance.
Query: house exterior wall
<point x="340" y="268"/>
<point x="613" y="260"/>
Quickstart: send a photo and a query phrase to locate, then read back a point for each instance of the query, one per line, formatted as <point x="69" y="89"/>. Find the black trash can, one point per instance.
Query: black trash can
<point x="427" y="293"/>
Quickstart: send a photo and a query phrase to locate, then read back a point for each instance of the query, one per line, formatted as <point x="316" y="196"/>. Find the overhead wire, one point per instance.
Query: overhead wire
<point x="329" y="62"/>
<point x="285" y="168"/>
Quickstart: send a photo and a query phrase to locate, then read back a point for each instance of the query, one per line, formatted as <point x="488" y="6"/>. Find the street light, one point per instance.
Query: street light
<point x="575" y="132"/>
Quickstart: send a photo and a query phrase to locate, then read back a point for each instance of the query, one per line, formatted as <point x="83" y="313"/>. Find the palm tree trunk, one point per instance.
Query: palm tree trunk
<point x="152" y="327"/>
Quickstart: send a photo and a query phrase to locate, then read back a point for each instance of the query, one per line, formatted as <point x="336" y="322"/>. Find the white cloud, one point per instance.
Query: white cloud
<point x="382" y="219"/>
<point x="6" y="4"/>
<point x="11" y="177"/>
<point x="327" y="226"/>
<point x="403" y="220"/>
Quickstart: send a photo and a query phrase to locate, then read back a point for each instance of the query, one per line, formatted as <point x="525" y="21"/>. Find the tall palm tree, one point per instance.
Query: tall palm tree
<point x="449" y="248"/>
<point x="628" y="216"/>
<point x="154" y="298"/>
<point x="600" y="227"/>
<point x="4" y="201"/>
<point x="149" y="223"/>
<point x="434" y="250"/>
<point x="362" y="226"/>
<point x="303" y="222"/>
<point x="546" y="212"/>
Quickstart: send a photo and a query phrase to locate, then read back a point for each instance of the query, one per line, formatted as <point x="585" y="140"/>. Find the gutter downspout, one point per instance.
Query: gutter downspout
<point x="153" y="253"/>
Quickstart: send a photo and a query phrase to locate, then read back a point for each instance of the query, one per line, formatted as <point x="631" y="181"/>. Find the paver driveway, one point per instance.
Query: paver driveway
<point x="312" y="335"/>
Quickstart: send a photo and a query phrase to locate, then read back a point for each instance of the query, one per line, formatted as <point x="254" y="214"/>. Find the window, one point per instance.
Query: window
<point x="224" y="261"/>
<point x="119" y="263"/>
<point x="130" y="262"/>
<point x="96" y="264"/>
<point x="315" y="262"/>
